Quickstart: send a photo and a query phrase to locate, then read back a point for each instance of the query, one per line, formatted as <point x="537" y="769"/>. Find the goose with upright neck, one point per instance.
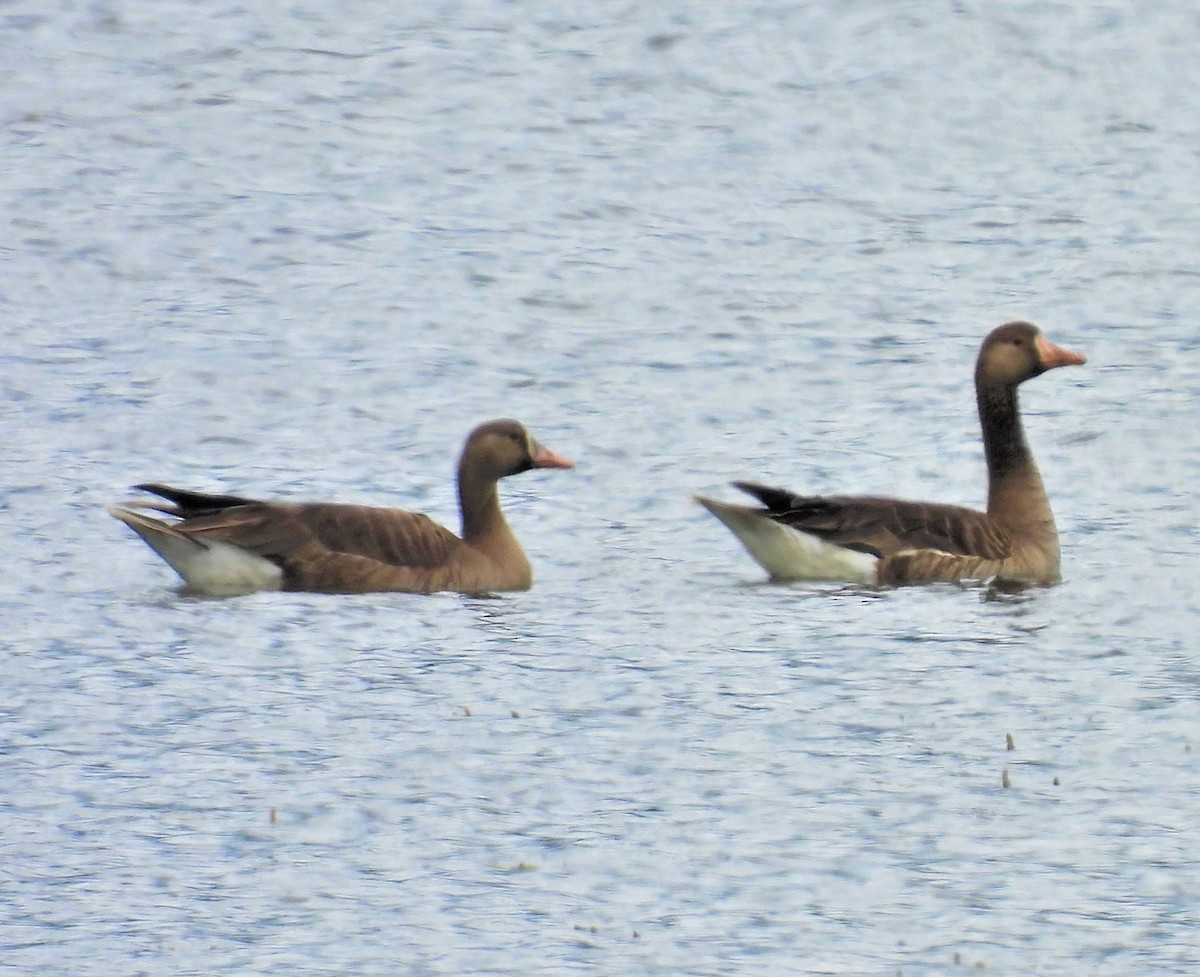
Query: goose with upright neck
<point x="883" y="541"/>
<point x="226" y="544"/>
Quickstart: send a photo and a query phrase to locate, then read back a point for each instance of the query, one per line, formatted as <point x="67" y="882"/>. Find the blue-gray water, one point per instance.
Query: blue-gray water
<point x="299" y="250"/>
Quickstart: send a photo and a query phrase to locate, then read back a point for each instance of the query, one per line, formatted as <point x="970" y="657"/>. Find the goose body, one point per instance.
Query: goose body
<point x="881" y="541"/>
<point x="226" y="544"/>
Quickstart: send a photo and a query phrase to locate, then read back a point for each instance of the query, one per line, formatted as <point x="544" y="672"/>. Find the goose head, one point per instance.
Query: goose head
<point x="1016" y="352"/>
<point x="499" y="448"/>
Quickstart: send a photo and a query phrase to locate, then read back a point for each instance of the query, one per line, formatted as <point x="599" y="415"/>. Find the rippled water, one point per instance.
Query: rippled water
<point x="301" y="252"/>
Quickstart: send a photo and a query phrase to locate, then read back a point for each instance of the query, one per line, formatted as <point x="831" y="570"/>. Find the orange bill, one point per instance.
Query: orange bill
<point x="1052" y="356"/>
<point x="545" y="458"/>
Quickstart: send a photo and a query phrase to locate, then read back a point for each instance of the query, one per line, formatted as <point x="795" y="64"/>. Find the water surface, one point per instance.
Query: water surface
<point x="300" y="253"/>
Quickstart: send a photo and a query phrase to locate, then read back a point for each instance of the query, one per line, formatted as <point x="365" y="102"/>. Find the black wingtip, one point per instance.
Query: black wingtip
<point x="192" y="502"/>
<point x="774" y="499"/>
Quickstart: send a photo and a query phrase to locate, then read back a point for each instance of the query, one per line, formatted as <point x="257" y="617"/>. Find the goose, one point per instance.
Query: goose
<point x="877" y="541"/>
<point x="222" y="545"/>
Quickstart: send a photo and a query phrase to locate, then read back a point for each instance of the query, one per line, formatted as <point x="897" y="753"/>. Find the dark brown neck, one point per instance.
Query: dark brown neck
<point x="485" y="530"/>
<point x="479" y="503"/>
<point x="1015" y="489"/>
<point x="1003" y="436"/>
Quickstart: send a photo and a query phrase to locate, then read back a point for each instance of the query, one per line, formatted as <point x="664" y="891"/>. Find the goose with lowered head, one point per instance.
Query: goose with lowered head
<point x="225" y="544"/>
<point x="882" y="541"/>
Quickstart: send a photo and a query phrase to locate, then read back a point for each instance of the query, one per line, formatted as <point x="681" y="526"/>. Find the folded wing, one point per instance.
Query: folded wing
<point x="886" y="527"/>
<point x="320" y="546"/>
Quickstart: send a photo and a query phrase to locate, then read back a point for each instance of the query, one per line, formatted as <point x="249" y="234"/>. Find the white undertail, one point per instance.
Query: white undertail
<point x="789" y="554"/>
<point x="207" y="566"/>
